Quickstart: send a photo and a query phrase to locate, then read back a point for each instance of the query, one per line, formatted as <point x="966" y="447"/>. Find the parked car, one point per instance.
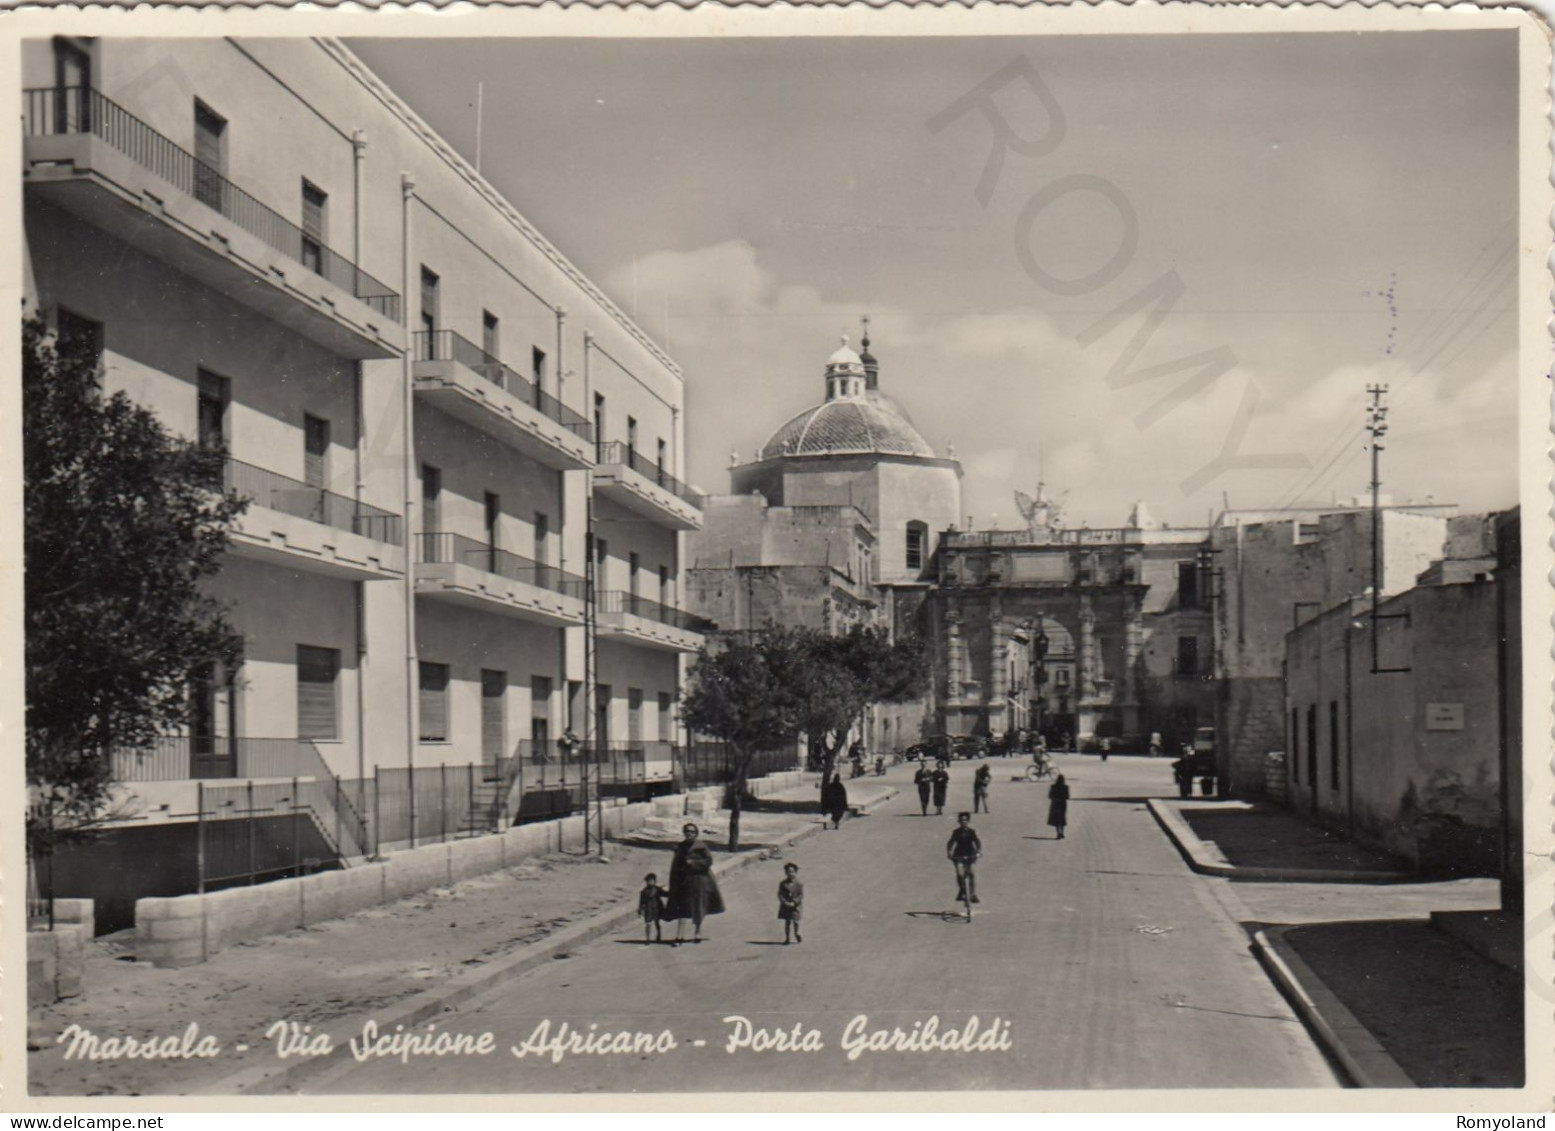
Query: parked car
<point x="950" y="746"/>
<point x="1204" y="740"/>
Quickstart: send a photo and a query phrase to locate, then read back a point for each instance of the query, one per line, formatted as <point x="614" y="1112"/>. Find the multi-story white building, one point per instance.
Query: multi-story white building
<point x="424" y="399"/>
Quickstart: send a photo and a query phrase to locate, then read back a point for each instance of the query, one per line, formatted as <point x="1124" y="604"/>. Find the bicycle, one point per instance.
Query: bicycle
<point x="963" y="849"/>
<point x="1041" y="767"/>
<point x="965" y="881"/>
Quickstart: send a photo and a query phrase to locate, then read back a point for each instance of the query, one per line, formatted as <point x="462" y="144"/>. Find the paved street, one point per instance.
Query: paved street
<point x="1109" y="962"/>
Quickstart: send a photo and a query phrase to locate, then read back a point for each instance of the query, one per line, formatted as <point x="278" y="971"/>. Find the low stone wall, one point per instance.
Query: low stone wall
<point x="186" y="930"/>
<point x="55" y="958"/>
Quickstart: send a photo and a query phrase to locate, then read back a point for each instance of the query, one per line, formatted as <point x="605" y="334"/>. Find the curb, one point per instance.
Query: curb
<point x="1346" y="1040"/>
<point x="1200" y="858"/>
<point x="278" y="1077"/>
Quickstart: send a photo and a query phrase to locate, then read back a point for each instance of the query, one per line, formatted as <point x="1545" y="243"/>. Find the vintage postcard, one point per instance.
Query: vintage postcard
<point x="790" y="558"/>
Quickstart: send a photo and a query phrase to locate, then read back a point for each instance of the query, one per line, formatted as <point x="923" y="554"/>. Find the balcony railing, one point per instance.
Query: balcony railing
<point x="289" y="496"/>
<point x="617" y="452"/>
<point x="81" y="110"/>
<point x="182" y="758"/>
<point x="457" y="549"/>
<point x="445" y="345"/>
<point x="616" y="601"/>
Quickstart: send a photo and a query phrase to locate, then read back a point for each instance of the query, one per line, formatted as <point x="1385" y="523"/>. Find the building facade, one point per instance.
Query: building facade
<point x="442" y="426"/>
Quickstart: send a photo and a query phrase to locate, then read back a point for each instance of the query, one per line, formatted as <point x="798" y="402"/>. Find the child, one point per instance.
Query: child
<point x="650" y="905"/>
<point x="791" y="902"/>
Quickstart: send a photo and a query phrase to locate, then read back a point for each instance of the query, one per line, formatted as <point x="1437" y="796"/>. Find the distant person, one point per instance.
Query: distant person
<point x="1058" y="805"/>
<point x="1155" y="744"/>
<point x="1106" y="748"/>
<point x="834" y="800"/>
<point x="1182" y="773"/>
<point x="980" y="788"/>
<point x="924" y="780"/>
<point x="791" y="903"/>
<point x="941" y="782"/>
<point x="964" y="848"/>
<point x="694" y="893"/>
<point x="650" y="908"/>
<point x="1039" y="744"/>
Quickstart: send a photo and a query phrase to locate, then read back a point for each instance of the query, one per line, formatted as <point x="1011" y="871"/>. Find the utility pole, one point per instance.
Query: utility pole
<point x="1377" y="425"/>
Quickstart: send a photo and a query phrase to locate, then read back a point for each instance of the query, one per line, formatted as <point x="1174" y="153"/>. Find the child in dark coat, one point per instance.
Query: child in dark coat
<point x="791" y="903"/>
<point x="650" y="906"/>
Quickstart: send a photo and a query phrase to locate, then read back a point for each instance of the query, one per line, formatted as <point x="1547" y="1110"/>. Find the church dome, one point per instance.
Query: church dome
<point x="871" y="425"/>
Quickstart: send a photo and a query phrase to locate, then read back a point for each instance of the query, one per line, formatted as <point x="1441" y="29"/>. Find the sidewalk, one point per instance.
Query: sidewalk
<point x="398" y="963"/>
<point x="1355" y="945"/>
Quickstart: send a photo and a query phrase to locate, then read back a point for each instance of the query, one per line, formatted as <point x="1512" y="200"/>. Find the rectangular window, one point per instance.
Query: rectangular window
<point x="631" y="437"/>
<point x="493" y="518"/>
<point x="634" y="715"/>
<point x="429" y="303"/>
<point x="914" y="548"/>
<point x="210" y="155"/>
<point x="318" y="671"/>
<point x="666" y="595"/>
<point x="434" y="702"/>
<point x="537" y="366"/>
<point x="542" y="538"/>
<point x="1188" y="585"/>
<point x="1312" y="748"/>
<point x="540" y="713"/>
<point x="314" y="200"/>
<point x="599" y="418"/>
<point x="215" y="396"/>
<point x="491" y="342"/>
<point x="601" y="713"/>
<point x="1295" y="746"/>
<point x="634" y="563"/>
<point x="494" y="690"/>
<point x="73" y="86"/>
<point x="315" y="443"/>
<point x="663" y="451"/>
<point x="666" y="717"/>
<point x="78" y="333"/>
<point x="431" y="499"/>
<point x="1333" y="744"/>
<point x="1187" y="655"/>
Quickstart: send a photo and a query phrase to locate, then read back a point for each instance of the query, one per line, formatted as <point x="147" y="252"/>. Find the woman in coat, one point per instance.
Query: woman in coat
<point x="941" y="781"/>
<point x="693" y="891"/>
<point x="924" y="780"/>
<point x="834" y="800"/>
<point x="1058" y="805"/>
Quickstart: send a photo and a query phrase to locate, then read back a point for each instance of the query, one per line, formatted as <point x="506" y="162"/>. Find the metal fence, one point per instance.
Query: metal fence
<point x="445" y="345"/>
<point x="616" y="452"/>
<point x="293" y="497"/>
<point x="81" y="110"/>
<point x="459" y="549"/>
<point x="181" y="758"/>
<point x="618" y="601"/>
<point x="713" y="763"/>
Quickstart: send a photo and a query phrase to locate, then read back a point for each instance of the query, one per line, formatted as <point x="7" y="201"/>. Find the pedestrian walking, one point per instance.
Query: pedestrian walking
<point x="834" y="800"/>
<point x="650" y="907"/>
<point x="941" y="782"/>
<point x="1058" y="805"/>
<point x="694" y="893"/>
<point x="1182" y="772"/>
<point x="980" y="788"/>
<point x="924" y="780"/>
<point x="791" y="903"/>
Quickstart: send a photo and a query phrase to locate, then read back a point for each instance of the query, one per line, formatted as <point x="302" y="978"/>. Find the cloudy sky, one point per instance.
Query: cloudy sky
<point x="1340" y="210"/>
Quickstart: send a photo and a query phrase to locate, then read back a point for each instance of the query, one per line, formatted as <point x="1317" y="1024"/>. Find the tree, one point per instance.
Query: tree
<point x="847" y="674"/>
<point x="123" y="523"/>
<point x="747" y="690"/>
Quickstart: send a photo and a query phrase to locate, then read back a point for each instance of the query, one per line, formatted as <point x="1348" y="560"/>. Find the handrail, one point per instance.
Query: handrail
<point x="616" y="601"/>
<point x="446" y="345"/>
<point x="440" y="548"/>
<point x="82" y="110"/>
<point x="291" y="496"/>
<point x="616" y="452"/>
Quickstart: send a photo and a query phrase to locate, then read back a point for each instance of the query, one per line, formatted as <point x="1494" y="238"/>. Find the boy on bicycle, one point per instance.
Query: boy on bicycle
<point x="963" y="849"/>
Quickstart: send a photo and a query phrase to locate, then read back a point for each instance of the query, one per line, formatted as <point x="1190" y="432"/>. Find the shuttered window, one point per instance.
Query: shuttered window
<point x="313" y="202"/>
<point x="315" y="433"/>
<point x="634" y="715"/>
<point x="494" y="688"/>
<point x="666" y="717"/>
<point x="434" y="702"/>
<point x="318" y="714"/>
<point x="210" y="130"/>
<point x="429" y="300"/>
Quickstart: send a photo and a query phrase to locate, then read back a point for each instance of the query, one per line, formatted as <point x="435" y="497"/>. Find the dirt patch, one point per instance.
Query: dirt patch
<point x="1450" y="1017"/>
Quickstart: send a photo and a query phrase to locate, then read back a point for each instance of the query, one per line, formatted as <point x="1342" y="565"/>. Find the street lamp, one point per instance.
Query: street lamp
<point x="1039" y="646"/>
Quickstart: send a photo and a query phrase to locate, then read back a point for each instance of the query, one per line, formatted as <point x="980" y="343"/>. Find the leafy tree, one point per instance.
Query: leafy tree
<point x="123" y="523"/>
<point x="747" y="690"/>
<point x="847" y="674"/>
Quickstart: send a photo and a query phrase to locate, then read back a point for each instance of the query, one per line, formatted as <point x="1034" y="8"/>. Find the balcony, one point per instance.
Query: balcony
<point x="463" y="380"/>
<point x="464" y="571"/>
<point x="97" y="161"/>
<point x="290" y="523"/>
<point x="646" y="488"/>
<point x="637" y="620"/>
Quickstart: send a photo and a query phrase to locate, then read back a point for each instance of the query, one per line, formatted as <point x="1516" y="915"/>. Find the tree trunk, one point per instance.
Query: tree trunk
<point x="737" y="798"/>
<point x="829" y="752"/>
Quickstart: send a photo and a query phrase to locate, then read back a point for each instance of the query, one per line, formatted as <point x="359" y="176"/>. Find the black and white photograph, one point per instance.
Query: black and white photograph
<point x="726" y="557"/>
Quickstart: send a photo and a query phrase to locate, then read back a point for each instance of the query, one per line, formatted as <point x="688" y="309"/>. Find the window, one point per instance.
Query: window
<point x="1333" y="744"/>
<point x="73" y="83"/>
<point x="77" y="333"/>
<point x="493" y="517"/>
<point x="1308" y="533"/>
<point x="434" y="702"/>
<point x="666" y="595"/>
<point x="491" y="342"/>
<point x="666" y="717"/>
<point x="601" y="713"/>
<point x="917" y="537"/>
<point x="494" y="689"/>
<point x="542" y="538"/>
<point x="315" y="443"/>
<point x="599" y="418"/>
<point x="663" y="450"/>
<point x="429" y="303"/>
<point x="634" y="716"/>
<point x="313" y="202"/>
<point x="634" y="563"/>
<point x="431" y="499"/>
<point x="631" y="437"/>
<point x="540" y="712"/>
<point x="1188" y="585"/>
<point x="1187" y="655"/>
<point x="318" y="709"/>
<point x="537" y="367"/>
<point x="215" y="395"/>
<point x="210" y="155"/>
<point x="1312" y="748"/>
